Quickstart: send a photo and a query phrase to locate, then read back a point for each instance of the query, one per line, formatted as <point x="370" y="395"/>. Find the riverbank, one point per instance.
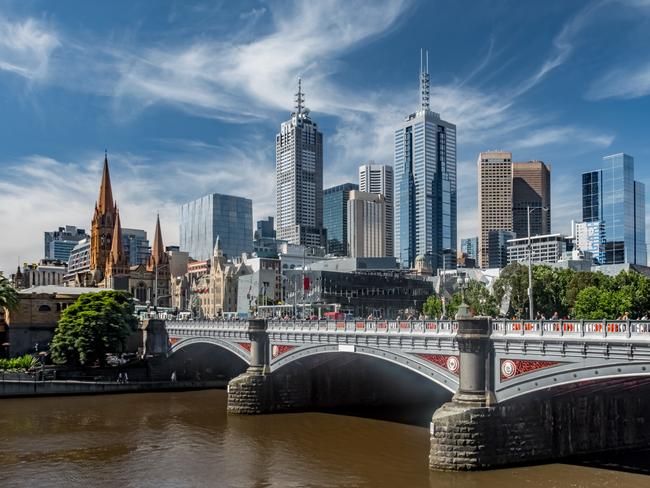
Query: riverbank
<point x="23" y="388"/>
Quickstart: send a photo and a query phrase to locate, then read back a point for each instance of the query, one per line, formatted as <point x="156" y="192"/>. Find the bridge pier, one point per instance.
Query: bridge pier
<point x="252" y="391"/>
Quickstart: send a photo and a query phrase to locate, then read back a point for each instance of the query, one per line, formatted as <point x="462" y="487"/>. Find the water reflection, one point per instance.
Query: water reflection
<point x="186" y="439"/>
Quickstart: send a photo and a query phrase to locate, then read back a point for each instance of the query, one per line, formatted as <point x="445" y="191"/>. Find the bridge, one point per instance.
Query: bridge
<point x="522" y="390"/>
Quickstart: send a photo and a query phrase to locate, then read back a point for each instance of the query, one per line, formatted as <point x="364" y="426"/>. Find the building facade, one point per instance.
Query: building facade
<point x="59" y="243"/>
<point x="494" y="200"/>
<point x="590" y="237"/>
<point x="335" y="217"/>
<point x="228" y="217"/>
<point x="469" y="246"/>
<point x="612" y="196"/>
<point x="379" y="179"/>
<point x="425" y="185"/>
<point x="45" y="272"/>
<point x="136" y="246"/>
<point x="366" y="222"/>
<point x="498" y="248"/>
<point x="544" y="249"/>
<point x="265" y="229"/>
<point x="531" y="187"/>
<point x="299" y="178"/>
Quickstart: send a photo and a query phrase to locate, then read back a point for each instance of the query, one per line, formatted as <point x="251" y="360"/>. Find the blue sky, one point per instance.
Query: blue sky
<point x="187" y="97"/>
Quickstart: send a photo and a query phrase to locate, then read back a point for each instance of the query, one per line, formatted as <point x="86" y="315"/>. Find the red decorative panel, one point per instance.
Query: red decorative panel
<point x="245" y="345"/>
<point x="279" y="349"/>
<point x="382" y="325"/>
<point x="431" y="326"/>
<point x="361" y="325"/>
<point x="404" y="325"/>
<point x="515" y="367"/>
<point x="340" y="325"/>
<point x="450" y="363"/>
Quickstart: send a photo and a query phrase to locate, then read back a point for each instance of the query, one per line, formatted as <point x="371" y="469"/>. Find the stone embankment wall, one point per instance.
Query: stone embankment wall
<point x="541" y="429"/>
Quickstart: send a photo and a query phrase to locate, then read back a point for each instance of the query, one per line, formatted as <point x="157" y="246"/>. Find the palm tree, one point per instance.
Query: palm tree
<point x="8" y="295"/>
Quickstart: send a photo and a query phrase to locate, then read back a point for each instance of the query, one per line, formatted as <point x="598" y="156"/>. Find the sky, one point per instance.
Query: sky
<point x="187" y="97"/>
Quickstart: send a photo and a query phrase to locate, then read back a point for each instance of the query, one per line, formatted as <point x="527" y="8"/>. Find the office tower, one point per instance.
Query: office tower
<point x="299" y="178"/>
<point x="498" y="248"/>
<point x="135" y="246"/>
<point x="335" y="217"/>
<point x="611" y="195"/>
<point x="59" y="243"/>
<point x="378" y="178"/>
<point x="494" y="200"/>
<point x="367" y="224"/>
<point x="228" y="217"/>
<point x="531" y="187"/>
<point x="425" y="184"/>
<point x="265" y="229"/>
<point x="469" y="246"/>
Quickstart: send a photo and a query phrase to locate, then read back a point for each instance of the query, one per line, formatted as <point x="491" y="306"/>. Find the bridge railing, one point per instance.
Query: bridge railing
<point x="430" y="327"/>
<point x="573" y="328"/>
<point x="207" y="324"/>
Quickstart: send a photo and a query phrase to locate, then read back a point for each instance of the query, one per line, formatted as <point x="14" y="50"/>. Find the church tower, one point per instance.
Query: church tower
<point x="117" y="263"/>
<point x="102" y="227"/>
<point x="159" y="265"/>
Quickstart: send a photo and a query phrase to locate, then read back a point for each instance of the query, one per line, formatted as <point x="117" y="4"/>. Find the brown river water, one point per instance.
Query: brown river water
<point x="186" y="439"/>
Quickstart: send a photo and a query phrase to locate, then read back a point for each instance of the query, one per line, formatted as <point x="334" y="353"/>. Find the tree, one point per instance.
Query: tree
<point x="514" y="278"/>
<point x="432" y="307"/>
<point x="8" y="295"/>
<point x="581" y="280"/>
<point x="595" y="303"/>
<point x="95" y="325"/>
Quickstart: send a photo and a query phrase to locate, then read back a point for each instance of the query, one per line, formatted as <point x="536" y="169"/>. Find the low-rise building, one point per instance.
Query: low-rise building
<point x="548" y="248"/>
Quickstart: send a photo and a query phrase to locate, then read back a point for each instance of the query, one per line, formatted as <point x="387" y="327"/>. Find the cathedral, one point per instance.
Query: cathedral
<point x="109" y="266"/>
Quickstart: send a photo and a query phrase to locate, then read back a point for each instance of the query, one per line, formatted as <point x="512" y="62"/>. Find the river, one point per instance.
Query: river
<point x="186" y="439"/>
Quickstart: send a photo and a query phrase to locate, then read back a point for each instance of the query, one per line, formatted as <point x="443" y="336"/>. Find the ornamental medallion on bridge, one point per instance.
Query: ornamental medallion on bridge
<point x="173" y="340"/>
<point x="450" y="363"/>
<point x="515" y="367"/>
<point x="245" y="345"/>
<point x="279" y="349"/>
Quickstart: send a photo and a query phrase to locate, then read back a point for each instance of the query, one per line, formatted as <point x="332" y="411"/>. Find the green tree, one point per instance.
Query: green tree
<point x="95" y="325"/>
<point x="593" y="303"/>
<point x="513" y="279"/>
<point x="432" y="307"/>
<point x="581" y="280"/>
<point x="8" y="295"/>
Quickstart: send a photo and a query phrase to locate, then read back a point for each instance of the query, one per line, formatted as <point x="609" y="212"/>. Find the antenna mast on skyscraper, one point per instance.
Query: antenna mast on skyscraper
<point x="300" y="98"/>
<point x="424" y="79"/>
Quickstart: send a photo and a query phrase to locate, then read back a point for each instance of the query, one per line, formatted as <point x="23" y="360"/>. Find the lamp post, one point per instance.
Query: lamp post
<point x="531" y="310"/>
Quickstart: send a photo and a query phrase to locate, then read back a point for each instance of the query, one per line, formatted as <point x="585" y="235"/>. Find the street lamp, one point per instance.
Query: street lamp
<point x="530" y="263"/>
<point x="463" y="309"/>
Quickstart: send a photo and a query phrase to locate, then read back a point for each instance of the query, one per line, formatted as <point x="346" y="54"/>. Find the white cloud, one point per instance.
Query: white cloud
<point x="563" y="135"/>
<point x="26" y="47"/>
<point x="623" y="83"/>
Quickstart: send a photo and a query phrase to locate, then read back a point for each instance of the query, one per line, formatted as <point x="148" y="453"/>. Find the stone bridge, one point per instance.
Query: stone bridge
<point x="523" y="391"/>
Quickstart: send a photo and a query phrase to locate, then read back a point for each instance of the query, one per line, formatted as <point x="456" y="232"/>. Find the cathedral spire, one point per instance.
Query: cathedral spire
<point x="158" y="255"/>
<point x="117" y="253"/>
<point x="105" y="200"/>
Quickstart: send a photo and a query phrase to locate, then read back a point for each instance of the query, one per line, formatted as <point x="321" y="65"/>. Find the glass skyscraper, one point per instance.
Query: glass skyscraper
<point x="228" y="217"/>
<point x="425" y="185"/>
<point x="335" y="217"/>
<point x="611" y="195"/>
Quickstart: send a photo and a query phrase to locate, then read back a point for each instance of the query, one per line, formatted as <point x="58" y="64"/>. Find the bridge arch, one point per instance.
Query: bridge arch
<point x="215" y="341"/>
<point x="555" y="378"/>
<point x="430" y="371"/>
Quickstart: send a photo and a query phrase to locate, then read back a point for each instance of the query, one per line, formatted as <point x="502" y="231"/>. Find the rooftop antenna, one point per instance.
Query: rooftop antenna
<point x="300" y="98"/>
<point x="424" y="79"/>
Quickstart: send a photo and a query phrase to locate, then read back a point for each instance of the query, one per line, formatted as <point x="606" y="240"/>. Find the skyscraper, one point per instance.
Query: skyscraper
<point x="531" y="187"/>
<point x="494" y="200"/>
<point x="367" y="224"/>
<point x="425" y="184"/>
<point x="299" y="178"/>
<point x="228" y="217"/>
<point x="469" y="246"/>
<point x="136" y="246"/>
<point x="335" y="217"/>
<point x="378" y="179"/>
<point x="611" y="195"/>
<point x="59" y="243"/>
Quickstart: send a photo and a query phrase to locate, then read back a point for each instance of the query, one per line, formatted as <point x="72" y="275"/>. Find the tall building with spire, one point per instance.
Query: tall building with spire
<point x="425" y="184"/>
<point x="103" y="224"/>
<point x="299" y="178"/>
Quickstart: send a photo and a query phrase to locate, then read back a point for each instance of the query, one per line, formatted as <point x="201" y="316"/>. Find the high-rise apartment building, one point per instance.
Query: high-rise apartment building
<point x="59" y="243"/>
<point x="335" y="217"/>
<point x="611" y="195"/>
<point x="425" y="184"/>
<point x="378" y="179"/>
<point x="299" y="178"/>
<point x="265" y="229"/>
<point x="494" y="199"/>
<point x="228" y="217"/>
<point x="531" y="187"/>
<point x="367" y="224"/>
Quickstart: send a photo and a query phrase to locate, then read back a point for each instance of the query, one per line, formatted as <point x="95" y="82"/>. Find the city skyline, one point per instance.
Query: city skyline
<point x="160" y="124"/>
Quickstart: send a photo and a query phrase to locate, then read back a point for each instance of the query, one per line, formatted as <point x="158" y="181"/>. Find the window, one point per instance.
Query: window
<point x="44" y="308"/>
